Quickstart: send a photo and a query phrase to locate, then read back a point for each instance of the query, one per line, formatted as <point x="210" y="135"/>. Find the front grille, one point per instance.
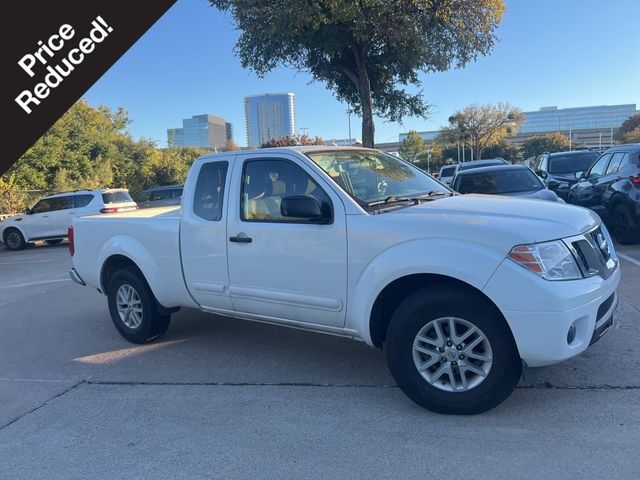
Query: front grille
<point x="594" y="253"/>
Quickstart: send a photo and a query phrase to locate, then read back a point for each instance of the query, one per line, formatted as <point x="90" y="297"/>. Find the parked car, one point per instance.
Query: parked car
<point x="621" y="198"/>
<point x="50" y="217"/>
<point x="460" y="289"/>
<point x="511" y="180"/>
<point x="609" y="188"/>
<point x="561" y="170"/>
<point x="160" y="196"/>
<point x="448" y="173"/>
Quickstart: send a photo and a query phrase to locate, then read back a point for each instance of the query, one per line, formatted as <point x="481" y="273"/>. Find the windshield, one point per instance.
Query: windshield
<point x="499" y="182"/>
<point x="371" y="177"/>
<point x="118" y="196"/>
<point x="576" y="162"/>
<point x="448" y="171"/>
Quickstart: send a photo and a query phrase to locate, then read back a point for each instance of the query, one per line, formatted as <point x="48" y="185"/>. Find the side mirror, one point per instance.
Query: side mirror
<point x="581" y="175"/>
<point x="541" y="173"/>
<point x="553" y="184"/>
<point x="28" y="212"/>
<point x="302" y="207"/>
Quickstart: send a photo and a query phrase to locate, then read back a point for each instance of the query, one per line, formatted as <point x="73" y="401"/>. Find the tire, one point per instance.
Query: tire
<point x="13" y="239"/>
<point x="151" y="323"/>
<point x="625" y="230"/>
<point x="56" y="241"/>
<point x="439" y="305"/>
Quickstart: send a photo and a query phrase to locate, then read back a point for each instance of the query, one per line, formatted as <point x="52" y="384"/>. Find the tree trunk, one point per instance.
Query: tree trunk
<point x="368" y="129"/>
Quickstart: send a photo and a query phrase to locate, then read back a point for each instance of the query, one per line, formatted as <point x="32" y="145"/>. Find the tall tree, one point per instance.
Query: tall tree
<point x="366" y="51"/>
<point x="413" y="148"/>
<point x="480" y="126"/>
<point x="550" y="142"/>
<point x="503" y="149"/>
<point x="629" y="125"/>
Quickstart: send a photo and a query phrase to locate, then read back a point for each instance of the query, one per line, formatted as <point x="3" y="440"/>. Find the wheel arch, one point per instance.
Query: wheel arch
<point x="396" y="291"/>
<point x="17" y="227"/>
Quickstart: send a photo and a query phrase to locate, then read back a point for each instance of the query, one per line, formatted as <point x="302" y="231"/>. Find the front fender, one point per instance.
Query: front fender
<point x="15" y="225"/>
<point x="462" y="260"/>
<point x="134" y="250"/>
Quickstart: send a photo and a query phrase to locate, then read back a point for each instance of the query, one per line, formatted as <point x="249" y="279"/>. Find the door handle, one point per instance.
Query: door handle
<point x="71" y="213"/>
<point x="242" y="238"/>
<point x="45" y="216"/>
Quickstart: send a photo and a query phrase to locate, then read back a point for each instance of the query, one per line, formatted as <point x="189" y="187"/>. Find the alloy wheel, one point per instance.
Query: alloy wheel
<point x="452" y="354"/>
<point x="129" y="306"/>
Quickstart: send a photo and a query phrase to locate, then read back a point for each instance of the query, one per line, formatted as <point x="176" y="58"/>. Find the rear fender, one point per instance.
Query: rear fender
<point x="134" y="250"/>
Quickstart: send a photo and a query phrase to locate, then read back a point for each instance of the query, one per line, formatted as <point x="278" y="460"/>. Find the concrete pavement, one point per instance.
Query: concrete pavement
<point x="223" y="398"/>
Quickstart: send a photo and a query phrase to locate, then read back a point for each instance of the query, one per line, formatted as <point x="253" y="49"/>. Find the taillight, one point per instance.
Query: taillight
<point x="109" y="210"/>
<point x="72" y="247"/>
<point x="635" y="179"/>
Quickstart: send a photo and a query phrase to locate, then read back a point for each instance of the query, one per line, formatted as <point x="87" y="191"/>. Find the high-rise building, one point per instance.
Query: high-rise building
<point x="206" y="131"/>
<point x="268" y="116"/>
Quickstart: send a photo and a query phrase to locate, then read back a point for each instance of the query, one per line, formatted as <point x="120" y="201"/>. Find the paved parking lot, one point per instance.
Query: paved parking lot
<point x="223" y="398"/>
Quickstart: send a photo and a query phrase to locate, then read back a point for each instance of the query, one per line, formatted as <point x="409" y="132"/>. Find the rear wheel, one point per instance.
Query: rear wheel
<point x="55" y="241"/>
<point x="451" y="351"/>
<point x="133" y="308"/>
<point x="625" y="229"/>
<point x="13" y="239"/>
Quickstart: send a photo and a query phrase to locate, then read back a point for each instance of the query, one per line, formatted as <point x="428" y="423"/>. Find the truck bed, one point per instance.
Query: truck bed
<point x="149" y="237"/>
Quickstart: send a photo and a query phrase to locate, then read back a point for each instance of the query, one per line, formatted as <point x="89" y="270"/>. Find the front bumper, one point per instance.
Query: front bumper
<point x="541" y="312"/>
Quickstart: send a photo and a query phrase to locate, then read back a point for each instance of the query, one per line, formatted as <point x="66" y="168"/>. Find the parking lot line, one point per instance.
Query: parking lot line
<point x="629" y="259"/>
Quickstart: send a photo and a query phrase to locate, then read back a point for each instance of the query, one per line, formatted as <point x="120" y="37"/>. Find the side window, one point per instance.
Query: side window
<point x="209" y="194"/>
<point x="82" y="200"/>
<point x="600" y="166"/>
<point x="176" y="193"/>
<point x="144" y="197"/>
<point x="614" y="165"/>
<point x="61" y="203"/>
<point x="626" y="160"/>
<point x="159" y="195"/>
<point x="266" y="182"/>
<point x="42" y="206"/>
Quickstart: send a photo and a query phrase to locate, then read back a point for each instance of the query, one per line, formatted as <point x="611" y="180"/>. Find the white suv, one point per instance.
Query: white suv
<point x="50" y="218"/>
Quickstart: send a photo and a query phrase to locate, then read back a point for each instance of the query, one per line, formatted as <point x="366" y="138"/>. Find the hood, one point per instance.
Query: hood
<point x="542" y="194"/>
<point x="571" y="177"/>
<point x="514" y="219"/>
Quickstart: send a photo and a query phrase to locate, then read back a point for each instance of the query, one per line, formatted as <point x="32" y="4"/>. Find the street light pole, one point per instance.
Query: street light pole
<point x="349" y="117"/>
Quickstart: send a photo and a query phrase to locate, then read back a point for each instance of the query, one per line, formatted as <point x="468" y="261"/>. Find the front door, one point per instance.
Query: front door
<point x="281" y="267"/>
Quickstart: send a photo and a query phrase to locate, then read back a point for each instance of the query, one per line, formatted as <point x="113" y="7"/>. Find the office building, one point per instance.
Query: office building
<point x="268" y="116"/>
<point x="586" y="127"/>
<point x="205" y="131"/>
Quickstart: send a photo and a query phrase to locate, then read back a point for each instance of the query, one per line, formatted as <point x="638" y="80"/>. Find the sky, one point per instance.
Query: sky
<point x="568" y="53"/>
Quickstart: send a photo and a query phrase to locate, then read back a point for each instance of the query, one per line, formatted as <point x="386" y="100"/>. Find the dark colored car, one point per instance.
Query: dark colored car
<point x="160" y="196"/>
<point x="611" y="188"/>
<point x="563" y="169"/>
<point x="516" y="180"/>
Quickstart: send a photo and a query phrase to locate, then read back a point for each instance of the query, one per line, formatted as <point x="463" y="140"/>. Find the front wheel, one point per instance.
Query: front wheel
<point x="13" y="239"/>
<point x="133" y="308"/>
<point x="625" y="231"/>
<point x="451" y="351"/>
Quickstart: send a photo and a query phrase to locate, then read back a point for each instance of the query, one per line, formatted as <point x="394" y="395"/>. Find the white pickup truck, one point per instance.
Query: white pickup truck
<point x="462" y="291"/>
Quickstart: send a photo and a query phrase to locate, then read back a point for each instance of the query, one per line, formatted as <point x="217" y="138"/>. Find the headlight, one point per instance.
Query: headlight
<point x="550" y="260"/>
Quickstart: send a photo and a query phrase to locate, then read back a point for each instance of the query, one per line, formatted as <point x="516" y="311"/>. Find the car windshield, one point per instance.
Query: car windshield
<point x="499" y="182"/>
<point x="118" y="196"/>
<point x="572" y="163"/>
<point x="448" y="171"/>
<point x="373" y="178"/>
